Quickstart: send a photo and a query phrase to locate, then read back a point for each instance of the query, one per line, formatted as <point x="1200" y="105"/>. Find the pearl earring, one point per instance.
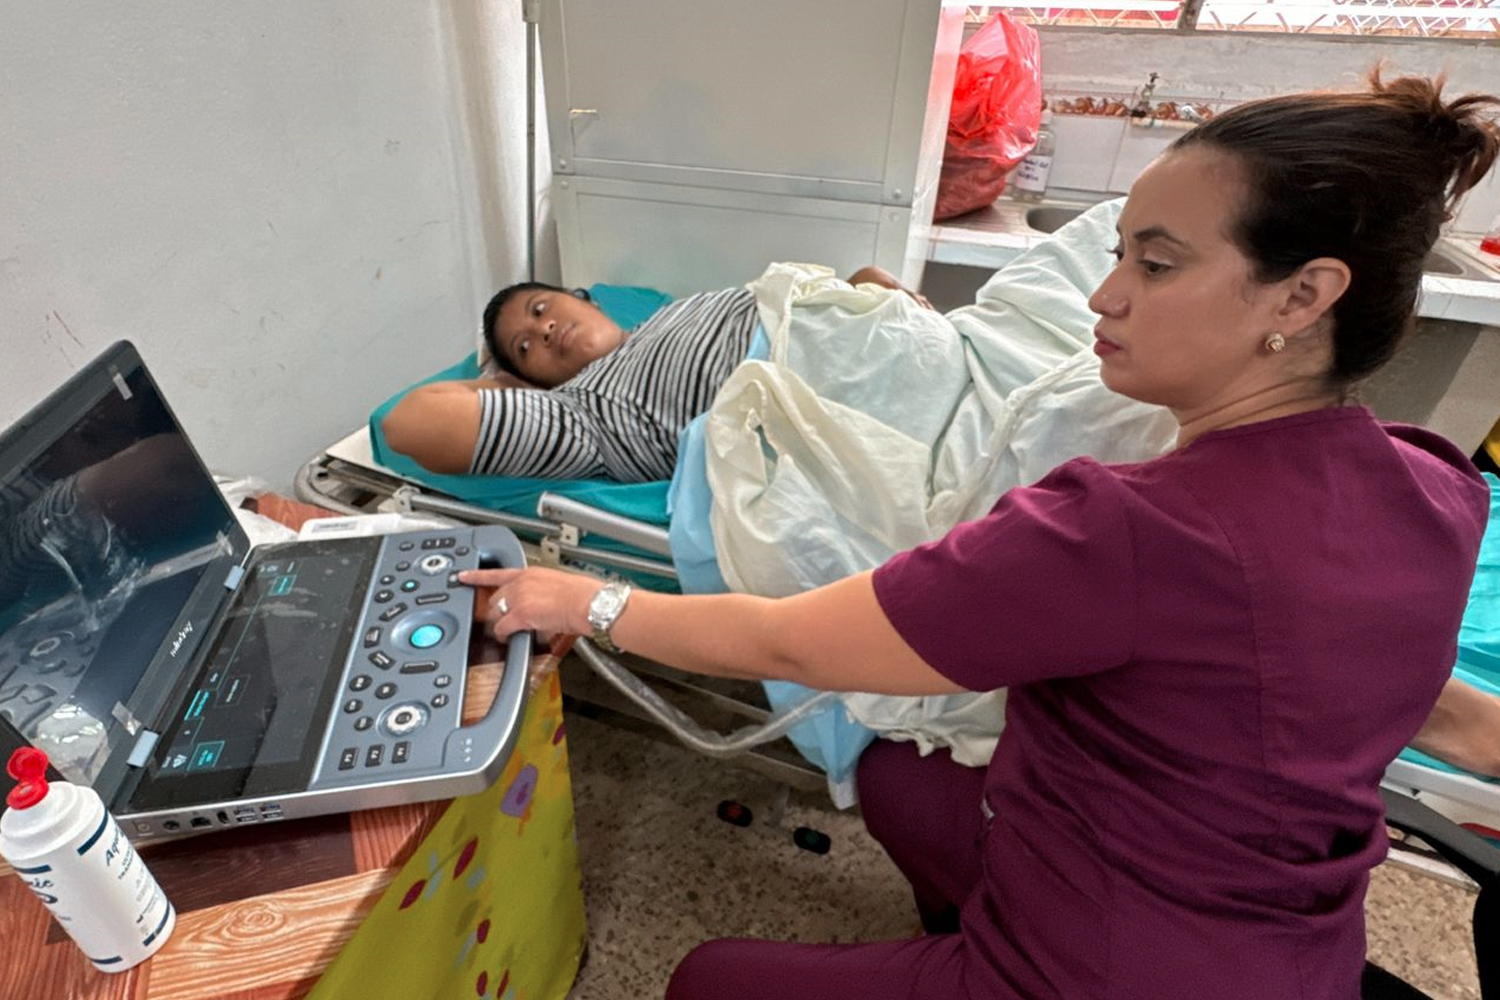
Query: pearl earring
<point x="1275" y="342"/>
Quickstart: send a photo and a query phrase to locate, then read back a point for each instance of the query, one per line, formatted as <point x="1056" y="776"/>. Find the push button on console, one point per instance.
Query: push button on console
<point x="435" y="564"/>
<point x="401" y="720"/>
<point x="426" y="636"/>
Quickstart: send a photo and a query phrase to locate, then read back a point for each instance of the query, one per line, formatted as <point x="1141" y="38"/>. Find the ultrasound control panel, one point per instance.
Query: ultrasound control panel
<point x="402" y="693"/>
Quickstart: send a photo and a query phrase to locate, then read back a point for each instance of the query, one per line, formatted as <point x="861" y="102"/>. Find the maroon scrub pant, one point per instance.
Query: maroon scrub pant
<point x="925" y="811"/>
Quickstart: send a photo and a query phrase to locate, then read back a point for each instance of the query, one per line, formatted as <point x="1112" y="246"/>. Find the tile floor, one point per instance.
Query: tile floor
<point x="661" y="873"/>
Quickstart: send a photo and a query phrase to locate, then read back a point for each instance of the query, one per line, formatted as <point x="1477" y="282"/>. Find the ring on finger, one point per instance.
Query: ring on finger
<point x="502" y="607"/>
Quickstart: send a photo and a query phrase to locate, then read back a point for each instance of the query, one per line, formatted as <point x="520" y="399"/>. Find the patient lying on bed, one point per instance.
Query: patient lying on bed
<point x="577" y="397"/>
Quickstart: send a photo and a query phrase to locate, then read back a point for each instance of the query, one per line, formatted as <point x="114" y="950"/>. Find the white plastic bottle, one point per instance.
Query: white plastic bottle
<point x="67" y="847"/>
<point x="1029" y="179"/>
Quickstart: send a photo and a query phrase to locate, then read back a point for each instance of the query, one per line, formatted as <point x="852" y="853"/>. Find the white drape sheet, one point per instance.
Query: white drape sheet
<point x="876" y="425"/>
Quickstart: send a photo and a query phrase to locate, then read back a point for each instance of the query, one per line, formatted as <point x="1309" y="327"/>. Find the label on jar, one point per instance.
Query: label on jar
<point x="1031" y="175"/>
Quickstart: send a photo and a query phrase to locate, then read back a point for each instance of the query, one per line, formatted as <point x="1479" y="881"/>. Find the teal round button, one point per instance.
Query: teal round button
<point x="426" y="636"/>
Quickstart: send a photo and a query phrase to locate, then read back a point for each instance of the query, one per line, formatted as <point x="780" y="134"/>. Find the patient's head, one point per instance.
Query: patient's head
<point x="1362" y="178"/>
<point x="546" y="334"/>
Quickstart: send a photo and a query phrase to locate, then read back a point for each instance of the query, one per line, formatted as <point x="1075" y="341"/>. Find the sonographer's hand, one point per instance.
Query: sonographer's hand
<point x="547" y="601"/>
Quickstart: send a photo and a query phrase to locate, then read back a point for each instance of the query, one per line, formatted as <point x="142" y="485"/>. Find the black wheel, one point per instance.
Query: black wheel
<point x="734" y="813"/>
<point x="812" y="840"/>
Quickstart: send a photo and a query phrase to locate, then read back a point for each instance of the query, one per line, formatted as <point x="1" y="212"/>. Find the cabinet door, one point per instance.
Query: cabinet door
<point x="798" y="105"/>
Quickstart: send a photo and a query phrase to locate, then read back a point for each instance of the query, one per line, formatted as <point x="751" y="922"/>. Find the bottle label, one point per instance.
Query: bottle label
<point x="1031" y="175"/>
<point x="102" y="894"/>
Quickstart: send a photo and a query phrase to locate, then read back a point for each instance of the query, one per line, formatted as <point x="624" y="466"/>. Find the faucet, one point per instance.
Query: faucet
<point x="1142" y="106"/>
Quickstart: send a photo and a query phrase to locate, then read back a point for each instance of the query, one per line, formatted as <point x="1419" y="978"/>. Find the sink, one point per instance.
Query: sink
<point x="1438" y="262"/>
<point x="1051" y="218"/>
<point x="1443" y="260"/>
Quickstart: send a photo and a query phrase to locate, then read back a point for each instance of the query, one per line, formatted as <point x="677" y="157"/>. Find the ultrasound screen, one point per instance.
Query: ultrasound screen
<point x="107" y="524"/>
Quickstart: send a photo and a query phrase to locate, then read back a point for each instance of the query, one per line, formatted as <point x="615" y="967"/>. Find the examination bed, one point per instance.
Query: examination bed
<point x="1033" y="400"/>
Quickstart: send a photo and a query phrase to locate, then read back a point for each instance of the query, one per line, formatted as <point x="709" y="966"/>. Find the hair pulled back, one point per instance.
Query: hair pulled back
<point x="492" y="313"/>
<point x="1367" y="178"/>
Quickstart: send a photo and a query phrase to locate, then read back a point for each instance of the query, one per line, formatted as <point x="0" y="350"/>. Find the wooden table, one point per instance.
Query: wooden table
<point x="484" y="892"/>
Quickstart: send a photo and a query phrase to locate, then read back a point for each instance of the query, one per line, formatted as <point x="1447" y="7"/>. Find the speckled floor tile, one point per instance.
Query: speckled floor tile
<point x="1419" y="928"/>
<point x="662" y="873"/>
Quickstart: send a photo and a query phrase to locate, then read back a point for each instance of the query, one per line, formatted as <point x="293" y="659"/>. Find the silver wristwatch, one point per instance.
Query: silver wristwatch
<point x="607" y="606"/>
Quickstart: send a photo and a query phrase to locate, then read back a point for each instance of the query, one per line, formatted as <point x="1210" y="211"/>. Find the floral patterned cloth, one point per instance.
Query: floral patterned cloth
<point x="491" y="903"/>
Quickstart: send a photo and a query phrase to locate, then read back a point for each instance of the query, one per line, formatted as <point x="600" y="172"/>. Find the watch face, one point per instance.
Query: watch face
<point x="606" y="605"/>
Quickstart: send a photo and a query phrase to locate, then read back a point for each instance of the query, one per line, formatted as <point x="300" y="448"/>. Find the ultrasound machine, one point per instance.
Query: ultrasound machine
<point x="197" y="682"/>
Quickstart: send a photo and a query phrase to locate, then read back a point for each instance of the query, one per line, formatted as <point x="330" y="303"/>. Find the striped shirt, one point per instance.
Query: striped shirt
<point x="619" y="418"/>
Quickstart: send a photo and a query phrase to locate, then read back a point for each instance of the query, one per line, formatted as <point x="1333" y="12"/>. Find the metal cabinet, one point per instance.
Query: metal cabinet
<point x="693" y="143"/>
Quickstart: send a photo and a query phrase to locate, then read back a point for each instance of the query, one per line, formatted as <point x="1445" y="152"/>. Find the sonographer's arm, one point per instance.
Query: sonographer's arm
<point x="834" y="638"/>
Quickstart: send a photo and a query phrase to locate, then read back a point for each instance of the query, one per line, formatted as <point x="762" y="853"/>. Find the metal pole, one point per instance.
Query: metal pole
<point x="529" y="12"/>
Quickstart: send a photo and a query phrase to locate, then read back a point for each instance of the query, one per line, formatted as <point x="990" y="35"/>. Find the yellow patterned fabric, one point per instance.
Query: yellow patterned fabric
<point x="491" y="903"/>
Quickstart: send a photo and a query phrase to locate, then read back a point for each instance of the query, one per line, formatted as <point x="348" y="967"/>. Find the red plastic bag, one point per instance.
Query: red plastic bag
<point x="996" y="111"/>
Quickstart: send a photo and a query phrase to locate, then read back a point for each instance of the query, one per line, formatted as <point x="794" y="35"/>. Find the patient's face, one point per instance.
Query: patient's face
<point x="1181" y="318"/>
<point x="550" y="336"/>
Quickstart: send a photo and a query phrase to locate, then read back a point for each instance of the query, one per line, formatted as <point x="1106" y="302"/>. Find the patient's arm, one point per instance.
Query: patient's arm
<point x="873" y="275"/>
<point x="437" y="424"/>
<point x="1463" y="729"/>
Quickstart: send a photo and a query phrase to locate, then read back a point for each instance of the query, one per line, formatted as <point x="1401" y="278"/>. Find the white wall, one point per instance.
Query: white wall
<point x="294" y="209"/>
<point x="1099" y="154"/>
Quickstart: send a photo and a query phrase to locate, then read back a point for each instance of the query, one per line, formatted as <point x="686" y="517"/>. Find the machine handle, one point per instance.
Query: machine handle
<point x="499" y="547"/>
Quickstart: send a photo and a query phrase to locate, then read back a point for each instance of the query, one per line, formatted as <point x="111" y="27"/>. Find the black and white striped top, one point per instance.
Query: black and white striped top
<point x="619" y="418"/>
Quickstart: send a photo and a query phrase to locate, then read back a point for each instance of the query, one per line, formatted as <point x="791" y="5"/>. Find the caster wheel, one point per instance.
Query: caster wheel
<point x="812" y="840"/>
<point x="735" y="814"/>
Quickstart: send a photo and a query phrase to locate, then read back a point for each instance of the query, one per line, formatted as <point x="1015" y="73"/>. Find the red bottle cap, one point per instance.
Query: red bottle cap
<point x="28" y="766"/>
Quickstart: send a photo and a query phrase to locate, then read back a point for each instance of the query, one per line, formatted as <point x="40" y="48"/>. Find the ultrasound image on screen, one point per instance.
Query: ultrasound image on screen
<point x="104" y="533"/>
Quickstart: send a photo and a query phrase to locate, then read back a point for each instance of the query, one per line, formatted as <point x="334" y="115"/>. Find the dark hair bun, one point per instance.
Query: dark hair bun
<point x="1462" y="133"/>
